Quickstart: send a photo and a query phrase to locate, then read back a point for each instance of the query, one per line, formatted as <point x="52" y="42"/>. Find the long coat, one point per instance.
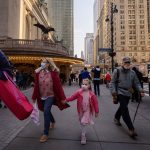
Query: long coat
<point x="58" y="92"/>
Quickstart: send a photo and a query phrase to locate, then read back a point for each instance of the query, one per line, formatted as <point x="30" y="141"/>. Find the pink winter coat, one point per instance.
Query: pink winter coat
<point x="93" y="101"/>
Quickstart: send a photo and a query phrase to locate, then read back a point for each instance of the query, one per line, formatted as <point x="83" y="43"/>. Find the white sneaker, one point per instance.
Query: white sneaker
<point x="83" y="139"/>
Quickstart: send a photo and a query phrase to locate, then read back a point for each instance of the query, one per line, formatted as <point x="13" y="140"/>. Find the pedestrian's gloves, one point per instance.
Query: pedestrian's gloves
<point x="114" y="96"/>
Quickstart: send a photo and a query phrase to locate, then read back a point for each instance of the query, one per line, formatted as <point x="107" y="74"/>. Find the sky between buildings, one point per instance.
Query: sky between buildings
<point x="83" y="23"/>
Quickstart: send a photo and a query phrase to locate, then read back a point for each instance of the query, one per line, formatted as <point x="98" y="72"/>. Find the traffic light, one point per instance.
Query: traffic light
<point x="112" y="54"/>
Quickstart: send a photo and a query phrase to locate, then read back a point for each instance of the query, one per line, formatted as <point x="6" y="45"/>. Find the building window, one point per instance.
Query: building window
<point x="121" y="16"/>
<point x="122" y="37"/>
<point x="122" y="27"/>
<point x="121" y="1"/>
<point x="122" y="43"/>
<point x="140" y="1"/>
<point x="121" y="11"/>
<point x="142" y="42"/>
<point x="121" y="6"/>
<point x="142" y="32"/>
<point x="141" y="11"/>
<point x="141" y="6"/>
<point x="142" y="37"/>
<point x="122" y="22"/>
<point x="130" y="54"/>
<point x="141" y="26"/>
<point x="141" y="21"/>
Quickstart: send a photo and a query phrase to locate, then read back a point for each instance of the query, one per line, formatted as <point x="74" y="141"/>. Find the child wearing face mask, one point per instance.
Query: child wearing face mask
<point x="87" y="106"/>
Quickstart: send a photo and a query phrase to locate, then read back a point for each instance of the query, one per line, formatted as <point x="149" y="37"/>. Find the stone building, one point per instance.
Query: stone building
<point x="131" y="30"/>
<point x="22" y="42"/>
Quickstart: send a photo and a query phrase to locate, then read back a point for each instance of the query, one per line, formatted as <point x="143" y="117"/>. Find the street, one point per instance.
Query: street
<point x="104" y="135"/>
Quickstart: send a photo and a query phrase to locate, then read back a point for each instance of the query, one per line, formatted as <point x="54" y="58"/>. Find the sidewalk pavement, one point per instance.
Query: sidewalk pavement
<point x="104" y="135"/>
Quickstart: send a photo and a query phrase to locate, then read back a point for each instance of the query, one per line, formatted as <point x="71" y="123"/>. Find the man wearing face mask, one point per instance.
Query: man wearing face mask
<point x="124" y="79"/>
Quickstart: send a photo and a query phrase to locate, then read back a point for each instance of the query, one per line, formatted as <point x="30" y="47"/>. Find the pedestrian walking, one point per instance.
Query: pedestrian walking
<point x="96" y="80"/>
<point x="85" y="74"/>
<point x="107" y="79"/>
<point x="48" y="91"/>
<point x="124" y="83"/>
<point x="87" y="105"/>
<point x="80" y="78"/>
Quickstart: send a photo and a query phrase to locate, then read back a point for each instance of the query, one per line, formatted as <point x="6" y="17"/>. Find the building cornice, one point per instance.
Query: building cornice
<point x="34" y="9"/>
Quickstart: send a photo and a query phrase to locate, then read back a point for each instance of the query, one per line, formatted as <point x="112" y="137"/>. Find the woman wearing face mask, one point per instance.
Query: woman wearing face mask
<point x="48" y="91"/>
<point x="87" y="105"/>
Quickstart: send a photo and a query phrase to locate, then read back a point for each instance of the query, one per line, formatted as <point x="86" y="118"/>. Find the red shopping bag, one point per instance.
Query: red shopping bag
<point x="14" y="99"/>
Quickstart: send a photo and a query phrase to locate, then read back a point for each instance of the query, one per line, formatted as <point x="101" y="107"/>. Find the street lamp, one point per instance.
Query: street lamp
<point x="112" y="53"/>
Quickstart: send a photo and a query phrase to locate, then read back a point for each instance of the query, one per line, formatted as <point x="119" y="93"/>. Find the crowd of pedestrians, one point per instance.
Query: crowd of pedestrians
<point x="23" y="79"/>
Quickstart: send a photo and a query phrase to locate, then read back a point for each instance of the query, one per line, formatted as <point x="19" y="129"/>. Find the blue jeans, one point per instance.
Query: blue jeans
<point x="48" y="117"/>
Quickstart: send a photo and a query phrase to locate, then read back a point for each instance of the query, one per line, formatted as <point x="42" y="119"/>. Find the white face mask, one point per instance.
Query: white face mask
<point x="85" y="87"/>
<point x="43" y="65"/>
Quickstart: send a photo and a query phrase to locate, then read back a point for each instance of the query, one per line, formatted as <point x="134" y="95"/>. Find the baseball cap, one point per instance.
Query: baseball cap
<point x="126" y="60"/>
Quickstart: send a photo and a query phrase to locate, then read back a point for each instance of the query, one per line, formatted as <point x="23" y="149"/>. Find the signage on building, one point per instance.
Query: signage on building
<point x="104" y="49"/>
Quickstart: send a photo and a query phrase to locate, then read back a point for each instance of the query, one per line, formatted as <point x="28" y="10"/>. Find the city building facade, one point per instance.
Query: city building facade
<point x="22" y="42"/>
<point x="61" y="18"/>
<point x="131" y="31"/>
<point x="89" y="41"/>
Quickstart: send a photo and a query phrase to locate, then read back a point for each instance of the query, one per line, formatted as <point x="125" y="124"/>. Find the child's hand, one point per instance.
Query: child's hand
<point x="96" y="115"/>
<point x="63" y="101"/>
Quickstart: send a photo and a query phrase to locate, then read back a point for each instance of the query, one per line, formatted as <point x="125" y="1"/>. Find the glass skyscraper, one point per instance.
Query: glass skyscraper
<point x="61" y="18"/>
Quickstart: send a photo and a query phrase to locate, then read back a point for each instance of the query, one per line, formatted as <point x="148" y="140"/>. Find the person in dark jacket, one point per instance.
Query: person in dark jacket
<point x="85" y="74"/>
<point x="96" y="80"/>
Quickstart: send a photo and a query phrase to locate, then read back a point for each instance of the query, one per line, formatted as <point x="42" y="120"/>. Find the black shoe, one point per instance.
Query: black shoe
<point x="132" y="133"/>
<point x="117" y="122"/>
<point x="5" y="106"/>
<point x="0" y="105"/>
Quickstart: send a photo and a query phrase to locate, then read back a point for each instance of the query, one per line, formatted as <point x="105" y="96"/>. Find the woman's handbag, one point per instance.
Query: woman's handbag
<point x="14" y="99"/>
